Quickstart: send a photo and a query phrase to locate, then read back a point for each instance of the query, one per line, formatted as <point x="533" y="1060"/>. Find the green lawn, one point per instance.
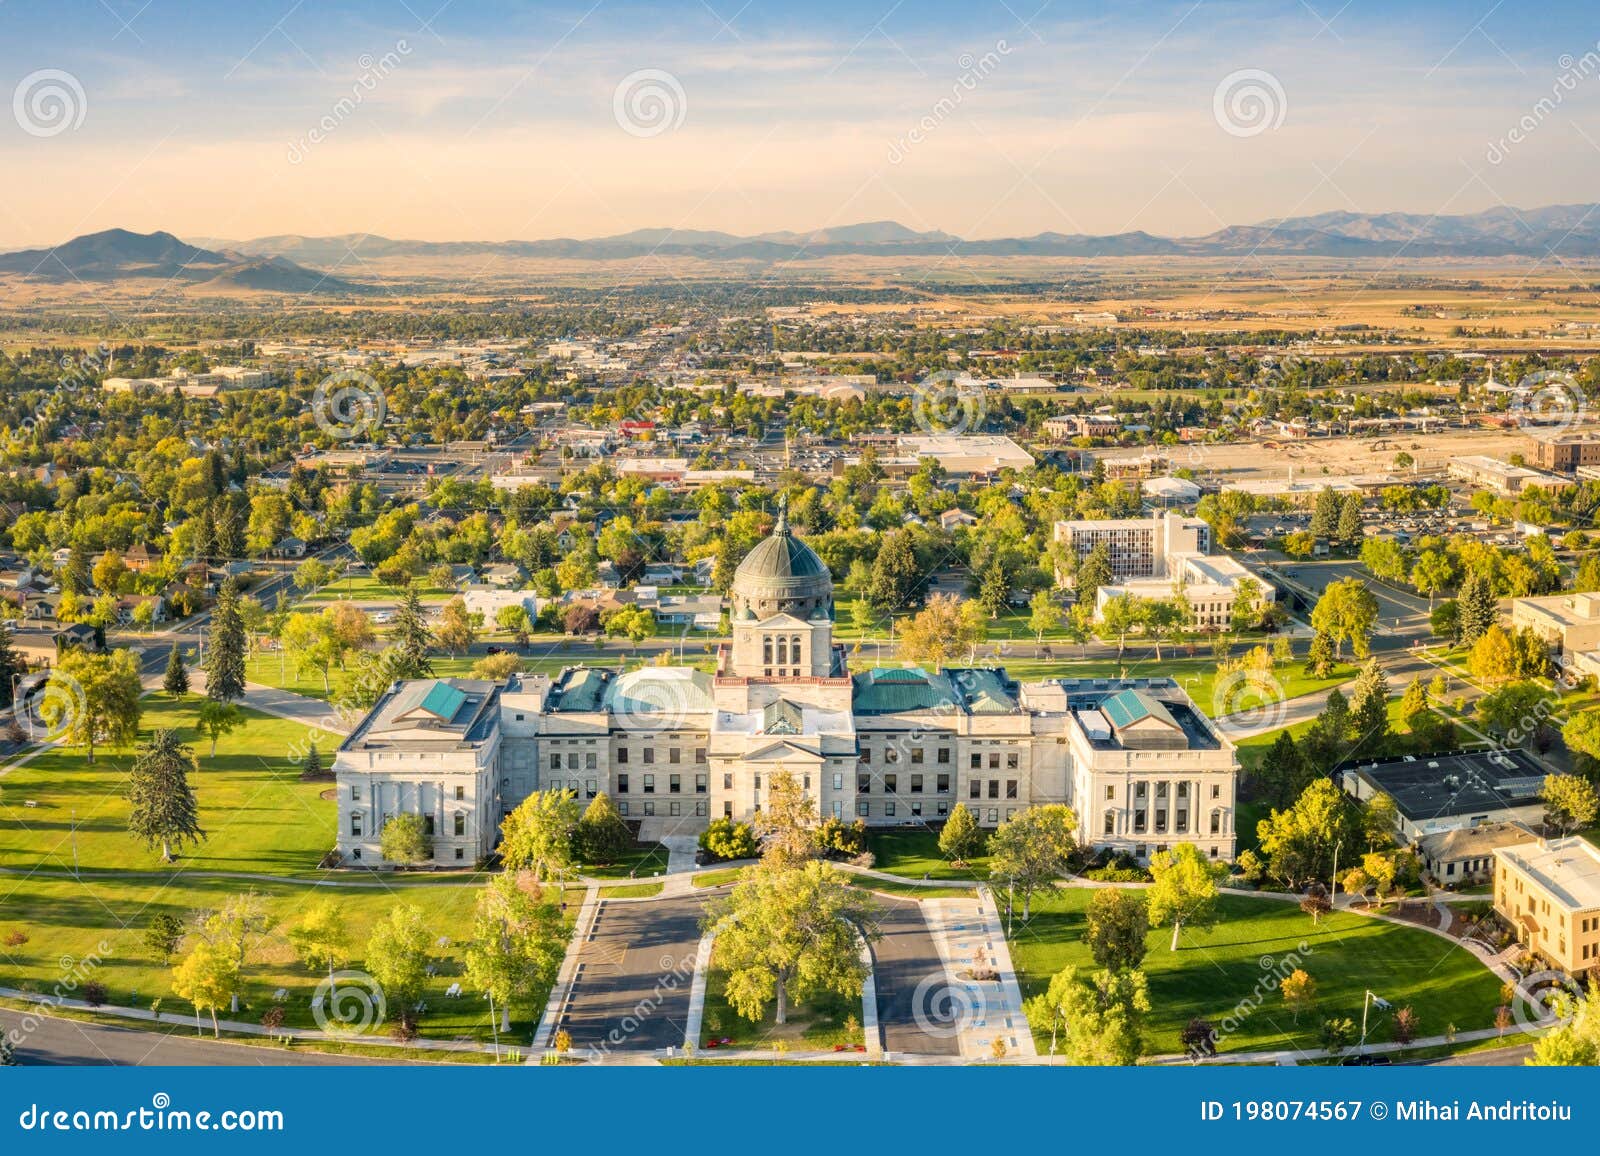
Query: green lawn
<point x="366" y="588"/>
<point x="1230" y="974"/>
<point x="716" y="878"/>
<point x="106" y="917"/>
<point x="257" y="814"/>
<point x="642" y="860"/>
<point x="915" y="854"/>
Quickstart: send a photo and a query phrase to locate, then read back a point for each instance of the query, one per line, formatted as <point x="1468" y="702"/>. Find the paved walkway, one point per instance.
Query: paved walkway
<point x="276" y="701"/>
<point x="968" y="935"/>
<point x="680" y="852"/>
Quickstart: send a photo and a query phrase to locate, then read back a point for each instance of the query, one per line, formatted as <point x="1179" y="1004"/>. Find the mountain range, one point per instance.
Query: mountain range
<point x="1556" y="230"/>
<point x="292" y="263"/>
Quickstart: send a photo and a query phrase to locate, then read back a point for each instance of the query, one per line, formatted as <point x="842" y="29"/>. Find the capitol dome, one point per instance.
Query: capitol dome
<point x="782" y="575"/>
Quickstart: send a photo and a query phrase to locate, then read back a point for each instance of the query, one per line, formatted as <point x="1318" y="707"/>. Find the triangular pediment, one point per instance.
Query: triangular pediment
<point x="779" y="752"/>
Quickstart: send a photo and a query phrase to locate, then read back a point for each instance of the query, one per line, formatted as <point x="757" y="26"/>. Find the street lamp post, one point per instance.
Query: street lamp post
<point x="1367" y="1001"/>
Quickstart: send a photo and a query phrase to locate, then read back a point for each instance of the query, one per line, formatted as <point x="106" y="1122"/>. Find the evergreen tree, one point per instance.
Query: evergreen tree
<point x="1349" y="528"/>
<point x="1319" y="659"/>
<point x="895" y="576"/>
<point x="1282" y="774"/>
<point x="1325" y="514"/>
<point x="994" y="590"/>
<point x="176" y="681"/>
<point x="602" y="835"/>
<point x="162" y="805"/>
<point x="1328" y="740"/>
<point x="1476" y="608"/>
<point x="312" y="767"/>
<point x="225" y="644"/>
<point x="960" y="839"/>
<point x="1094" y="571"/>
<point x="1369" y="707"/>
<point x="75" y="575"/>
<point x="410" y="638"/>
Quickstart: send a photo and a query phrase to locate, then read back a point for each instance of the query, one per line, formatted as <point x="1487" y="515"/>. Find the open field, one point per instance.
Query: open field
<point x="1232" y="972"/>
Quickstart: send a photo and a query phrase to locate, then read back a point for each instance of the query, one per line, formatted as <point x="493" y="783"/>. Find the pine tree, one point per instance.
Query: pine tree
<point x="1369" y="707"/>
<point x="603" y="835"/>
<point x="1349" y="528"/>
<point x="75" y="576"/>
<point x="410" y="638"/>
<point x="312" y="768"/>
<point x="1094" y="571"/>
<point x="225" y="643"/>
<point x="1477" y="608"/>
<point x="162" y="805"/>
<point x="1325" y="514"/>
<point x="176" y="681"/>
<point x="1319" y="659"/>
<point x="1279" y="778"/>
<point x="895" y="576"/>
<point x="994" y="590"/>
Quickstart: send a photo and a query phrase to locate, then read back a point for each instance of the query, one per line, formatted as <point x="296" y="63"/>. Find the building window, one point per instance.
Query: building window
<point x="943" y="808"/>
<point x="838" y="781"/>
<point x="727" y="809"/>
<point x="589" y="763"/>
<point x="427" y="825"/>
<point x="890" y="782"/>
<point x="572" y="761"/>
<point x="864" y="784"/>
<point x="674" y="808"/>
<point x="590" y="789"/>
<point x="461" y="793"/>
<point x="994" y="760"/>
<point x="994" y="788"/>
<point x="1011" y="788"/>
<point x="942" y="783"/>
<point x="649" y="755"/>
<point x="674" y="755"/>
<point x="555" y="762"/>
<point x="701" y="784"/>
<point x="674" y="784"/>
<point x="355" y="824"/>
<point x="649" y="784"/>
<point x="888" y="810"/>
<point x="1216" y="822"/>
<point x="975" y="789"/>
<point x="727" y="782"/>
<point x="1111" y="792"/>
<point x="977" y="762"/>
<point x="1216" y="790"/>
<point x="461" y="824"/>
<point x="943" y="755"/>
<point x="622" y="784"/>
<point x="1110" y="823"/>
<point x="699" y="754"/>
<point x="355" y="792"/>
<point x="862" y="808"/>
<point x="994" y="816"/>
<point x="622" y="754"/>
<point x="622" y="807"/>
<point x="702" y="808"/>
<point x="916" y="784"/>
<point x="866" y="755"/>
<point x="916" y="754"/>
<point x="1011" y="761"/>
<point x="461" y="852"/>
<point x="649" y="807"/>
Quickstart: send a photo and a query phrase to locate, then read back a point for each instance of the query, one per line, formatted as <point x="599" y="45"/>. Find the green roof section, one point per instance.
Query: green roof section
<point x="1127" y="707"/>
<point x="897" y="690"/>
<point x="987" y="691"/>
<point x="584" y="689"/>
<point x="442" y="701"/>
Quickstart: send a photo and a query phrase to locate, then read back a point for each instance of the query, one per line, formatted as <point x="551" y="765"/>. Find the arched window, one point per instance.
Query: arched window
<point x="783" y="650"/>
<point x="794" y="648"/>
<point x="766" y="648"/>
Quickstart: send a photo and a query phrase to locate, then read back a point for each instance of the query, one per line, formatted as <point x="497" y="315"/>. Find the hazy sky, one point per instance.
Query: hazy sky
<point x="466" y="120"/>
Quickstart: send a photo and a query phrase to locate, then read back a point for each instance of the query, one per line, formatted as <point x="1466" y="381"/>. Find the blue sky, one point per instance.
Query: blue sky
<point x="494" y="120"/>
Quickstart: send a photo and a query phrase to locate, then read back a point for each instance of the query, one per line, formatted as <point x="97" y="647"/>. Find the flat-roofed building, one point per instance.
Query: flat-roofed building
<point x="1454" y="791"/>
<point x="1549" y="890"/>
<point x="1569" y="623"/>
<point x="1501" y="477"/>
<point x="1567" y="452"/>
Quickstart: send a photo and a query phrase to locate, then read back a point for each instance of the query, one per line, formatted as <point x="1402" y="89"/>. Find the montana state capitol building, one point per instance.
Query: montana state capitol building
<point x="674" y="747"/>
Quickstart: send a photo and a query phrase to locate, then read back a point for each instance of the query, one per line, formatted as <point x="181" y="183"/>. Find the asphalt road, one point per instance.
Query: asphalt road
<point x="64" y="1042"/>
<point x="909" y="972"/>
<point x="631" y="992"/>
<point x="1402" y="617"/>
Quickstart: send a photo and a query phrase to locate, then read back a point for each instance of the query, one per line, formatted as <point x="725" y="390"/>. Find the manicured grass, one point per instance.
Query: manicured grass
<point x="1231" y="973"/>
<point x="914" y="853"/>
<point x="911" y="890"/>
<point x="825" y="1021"/>
<point x="106" y="917"/>
<point x="640" y="861"/>
<point x="717" y="878"/>
<point x="631" y="891"/>
<point x="257" y="814"/>
<point x="367" y="588"/>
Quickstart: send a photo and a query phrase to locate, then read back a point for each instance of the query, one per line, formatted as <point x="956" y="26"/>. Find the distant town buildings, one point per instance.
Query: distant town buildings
<point x="1503" y="478"/>
<point x="1549" y="891"/>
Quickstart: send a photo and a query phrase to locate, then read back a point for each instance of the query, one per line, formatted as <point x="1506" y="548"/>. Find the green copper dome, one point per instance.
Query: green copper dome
<point x="782" y="575"/>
